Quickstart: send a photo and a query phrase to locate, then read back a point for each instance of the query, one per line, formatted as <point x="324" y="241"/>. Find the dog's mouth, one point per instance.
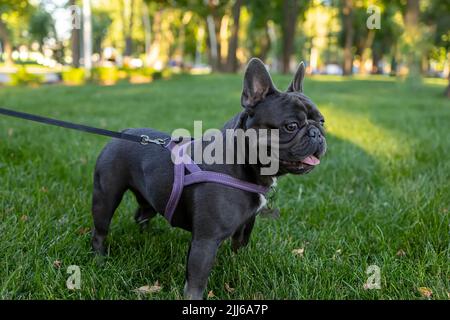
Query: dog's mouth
<point x="300" y="166"/>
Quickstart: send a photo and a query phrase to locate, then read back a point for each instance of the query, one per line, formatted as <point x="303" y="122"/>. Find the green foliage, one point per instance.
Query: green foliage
<point x="41" y="25"/>
<point x="437" y="14"/>
<point x="101" y="21"/>
<point x="14" y="5"/>
<point x="144" y="72"/>
<point x="105" y="75"/>
<point x="23" y="77"/>
<point x="74" y="76"/>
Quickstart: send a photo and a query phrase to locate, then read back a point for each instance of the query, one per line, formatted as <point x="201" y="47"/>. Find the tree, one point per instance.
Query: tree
<point x="100" y="24"/>
<point x="412" y="35"/>
<point x="259" y="41"/>
<point x="6" y="41"/>
<point x="387" y="38"/>
<point x="349" y="32"/>
<point x="75" y="36"/>
<point x="215" y="11"/>
<point x="128" y="27"/>
<point x="232" y="64"/>
<point x="41" y="26"/>
<point x="8" y="6"/>
<point x="435" y="17"/>
<point x="291" y="10"/>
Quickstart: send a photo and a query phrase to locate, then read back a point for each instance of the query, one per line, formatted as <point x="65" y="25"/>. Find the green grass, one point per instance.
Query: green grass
<point x="382" y="187"/>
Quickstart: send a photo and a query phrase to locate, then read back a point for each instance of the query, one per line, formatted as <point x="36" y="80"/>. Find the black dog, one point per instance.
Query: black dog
<point x="212" y="212"/>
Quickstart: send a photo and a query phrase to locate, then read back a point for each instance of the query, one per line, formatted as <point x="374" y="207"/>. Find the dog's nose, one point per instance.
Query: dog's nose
<point x="313" y="132"/>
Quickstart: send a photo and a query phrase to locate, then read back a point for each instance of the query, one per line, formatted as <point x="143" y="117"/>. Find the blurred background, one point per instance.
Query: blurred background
<point x="45" y="41"/>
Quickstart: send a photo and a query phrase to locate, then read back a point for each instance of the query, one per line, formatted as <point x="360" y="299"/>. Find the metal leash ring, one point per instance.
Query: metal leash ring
<point x="145" y="140"/>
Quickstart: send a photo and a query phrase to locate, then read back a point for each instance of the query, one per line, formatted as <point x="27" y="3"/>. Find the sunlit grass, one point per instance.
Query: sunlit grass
<point x="436" y="81"/>
<point x="359" y="130"/>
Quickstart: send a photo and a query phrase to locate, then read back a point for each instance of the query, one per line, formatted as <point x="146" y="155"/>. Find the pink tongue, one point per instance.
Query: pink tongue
<point x="311" y="160"/>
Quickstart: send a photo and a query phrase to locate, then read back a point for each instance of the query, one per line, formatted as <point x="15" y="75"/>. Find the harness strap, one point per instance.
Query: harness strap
<point x="217" y="177"/>
<point x="183" y="163"/>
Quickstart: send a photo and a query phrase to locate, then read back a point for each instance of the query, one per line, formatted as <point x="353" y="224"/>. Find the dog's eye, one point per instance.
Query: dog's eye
<point x="291" y="126"/>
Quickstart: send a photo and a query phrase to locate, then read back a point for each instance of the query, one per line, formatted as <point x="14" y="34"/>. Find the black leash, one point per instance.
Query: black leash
<point x="142" y="139"/>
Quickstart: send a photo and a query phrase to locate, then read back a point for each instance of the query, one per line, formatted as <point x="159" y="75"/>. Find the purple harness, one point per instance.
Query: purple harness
<point x="183" y="163"/>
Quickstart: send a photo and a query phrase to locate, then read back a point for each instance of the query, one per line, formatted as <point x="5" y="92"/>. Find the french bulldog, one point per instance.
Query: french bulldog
<point x="212" y="212"/>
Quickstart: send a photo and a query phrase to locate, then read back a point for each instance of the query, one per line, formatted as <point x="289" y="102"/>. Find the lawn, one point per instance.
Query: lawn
<point x="380" y="197"/>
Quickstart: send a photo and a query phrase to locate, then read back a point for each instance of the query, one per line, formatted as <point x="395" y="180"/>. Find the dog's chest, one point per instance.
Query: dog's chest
<point x="262" y="199"/>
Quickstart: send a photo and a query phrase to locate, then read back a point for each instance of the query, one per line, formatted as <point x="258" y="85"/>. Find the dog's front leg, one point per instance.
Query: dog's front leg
<point x="201" y="255"/>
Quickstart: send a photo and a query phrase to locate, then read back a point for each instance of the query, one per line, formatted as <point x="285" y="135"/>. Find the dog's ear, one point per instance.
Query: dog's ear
<point x="257" y="84"/>
<point x="297" y="83"/>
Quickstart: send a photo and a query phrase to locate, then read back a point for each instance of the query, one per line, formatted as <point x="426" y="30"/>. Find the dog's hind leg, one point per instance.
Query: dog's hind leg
<point x="145" y="212"/>
<point x="106" y="198"/>
<point x="242" y="235"/>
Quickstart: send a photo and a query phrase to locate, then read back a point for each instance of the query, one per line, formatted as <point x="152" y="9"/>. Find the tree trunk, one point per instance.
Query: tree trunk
<point x="265" y="44"/>
<point x="155" y="47"/>
<point x="447" y="90"/>
<point x="349" y="34"/>
<point x="7" y="47"/>
<point x="412" y="33"/>
<point x="365" y="50"/>
<point x="75" y="42"/>
<point x="87" y="37"/>
<point x="213" y="43"/>
<point x="147" y="27"/>
<point x="232" y="63"/>
<point x="290" y="14"/>
<point x="376" y="58"/>
<point x="128" y="38"/>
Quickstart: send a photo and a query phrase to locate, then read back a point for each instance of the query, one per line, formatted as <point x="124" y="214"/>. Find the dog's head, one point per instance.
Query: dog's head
<point x="300" y="124"/>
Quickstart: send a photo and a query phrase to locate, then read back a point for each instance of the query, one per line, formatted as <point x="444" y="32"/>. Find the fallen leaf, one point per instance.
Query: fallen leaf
<point x="84" y="230"/>
<point x="228" y="288"/>
<point x="155" y="288"/>
<point x="10" y="132"/>
<point x="425" y="292"/>
<point x="24" y="218"/>
<point x="211" y="294"/>
<point x="299" y="252"/>
<point x="44" y="189"/>
<point x="57" y="264"/>
<point x="258" y="296"/>
<point x="400" y="253"/>
<point x="337" y="253"/>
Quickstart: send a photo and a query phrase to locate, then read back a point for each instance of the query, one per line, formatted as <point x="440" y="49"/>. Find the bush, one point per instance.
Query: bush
<point x="110" y="75"/>
<point x="141" y="75"/>
<point x="23" y="77"/>
<point x="166" y="73"/>
<point x="74" y="76"/>
<point x="105" y="75"/>
<point x="155" y="74"/>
